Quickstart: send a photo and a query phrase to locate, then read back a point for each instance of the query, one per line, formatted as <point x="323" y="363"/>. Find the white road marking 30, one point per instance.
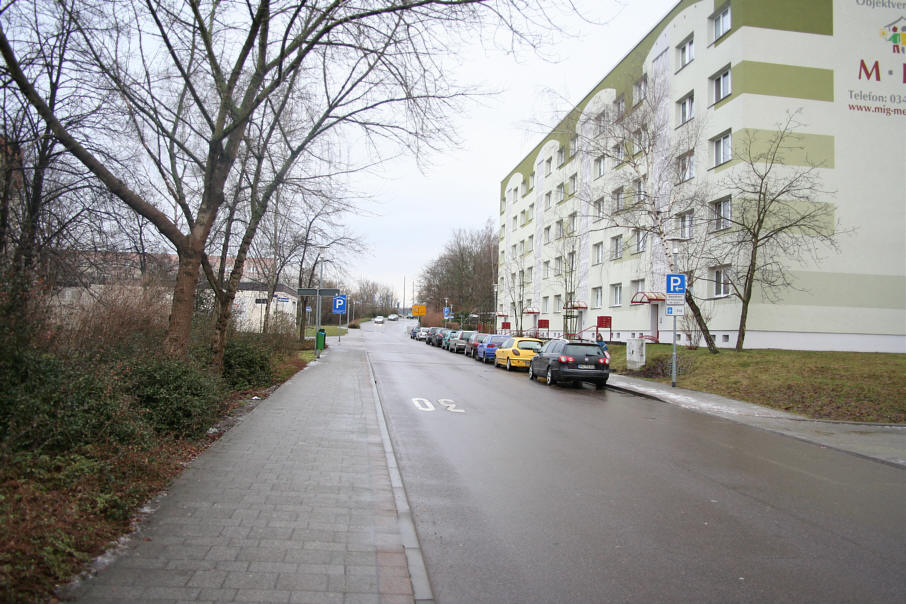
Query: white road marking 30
<point x="423" y="404"/>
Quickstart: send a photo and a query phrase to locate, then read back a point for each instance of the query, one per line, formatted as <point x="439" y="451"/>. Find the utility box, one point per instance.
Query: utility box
<point x="635" y="354"/>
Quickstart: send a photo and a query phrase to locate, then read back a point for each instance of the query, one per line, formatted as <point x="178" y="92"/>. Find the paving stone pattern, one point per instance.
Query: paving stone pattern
<point x="294" y="504"/>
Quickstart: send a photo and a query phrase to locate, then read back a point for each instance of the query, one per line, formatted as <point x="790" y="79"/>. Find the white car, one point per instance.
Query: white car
<point x="393" y="317"/>
<point x="379" y="320"/>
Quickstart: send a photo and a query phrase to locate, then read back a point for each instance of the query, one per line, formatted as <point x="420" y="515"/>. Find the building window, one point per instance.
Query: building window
<point x="721" y="83"/>
<point x="599" y="166"/>
<point x="619" y="106"/>
<point x="545" y="304"/>
<point x="561" y="156"/>
<point x="547" y="166"/>
<point x="616" y="247"/>
<point x="685" y="224"/>
<point x="522" y="247"/>
<point x="547" y="234"/>
<point x="616" y="294"/>
<point x="574" y="145"/>
<point x="638" y="191"/>
<point x="546" y="270"/>
<point x="558" y="229"/>
<point x="686" y="52"/>
<point x="561" y="192"/>
<point x="513" y="251"/>
<point x="503" y="205"/>
<point x="558" y="265"/>
<point x="522" y="218"/>
<point x="600" y="123"/>
<point x="597" y="297"/>
<point x="524" y="187"/>
<point x="558" y="304"/>
<point x="721" y="278"/>
<point x="721" y="22"/>
<point x="573" y="184"/>
<point x="531" y="212"/>
<point x="530" y="244"/>
<point x="640" y="89"/>
<point x="686" y="166"/>
<point x="571" y="262"/>
<point x="528" y="275"/>
<point x="721" y="213"/>
<point x="618" y="152"/>
<point x="597" y="253"/>
<point x="547" y="200"/>
<point x="686" y="108"/>
<point x="641" y="240"/>
<point x="515" y="222"/>
<point x="572" y="223"/>
<point x="722" y="149"/>
<point x="637" y="286"/>
<point x="599" y="208"/>
<point x="638" y="141"/>
<point x="619" y="201"/>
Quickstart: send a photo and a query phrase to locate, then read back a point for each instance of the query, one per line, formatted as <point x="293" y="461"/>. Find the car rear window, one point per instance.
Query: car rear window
<point x="529" y="345"/>
<point x="574" y="350"/>
<point x="497" y="339"/>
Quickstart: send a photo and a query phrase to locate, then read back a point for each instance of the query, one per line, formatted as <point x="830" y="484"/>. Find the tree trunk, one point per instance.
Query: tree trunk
<point x="179" y="330"/>
<point x="746" y="297"/>
<point x="702" y="324"/>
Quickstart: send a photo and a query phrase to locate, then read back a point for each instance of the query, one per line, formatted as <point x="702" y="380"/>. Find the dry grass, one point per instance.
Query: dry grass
<point x="847" y="386"/>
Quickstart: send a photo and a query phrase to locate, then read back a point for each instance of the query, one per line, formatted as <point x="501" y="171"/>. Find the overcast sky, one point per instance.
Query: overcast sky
<point x="414" y="212"/>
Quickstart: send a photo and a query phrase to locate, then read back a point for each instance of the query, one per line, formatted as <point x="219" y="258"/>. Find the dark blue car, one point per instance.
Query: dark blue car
<point x="487" y="349"/>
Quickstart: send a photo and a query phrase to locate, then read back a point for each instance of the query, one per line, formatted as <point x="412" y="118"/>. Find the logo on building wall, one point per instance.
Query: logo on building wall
<point x="893" y="33"/>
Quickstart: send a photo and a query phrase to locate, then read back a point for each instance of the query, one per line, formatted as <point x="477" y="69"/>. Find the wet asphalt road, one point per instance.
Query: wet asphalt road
<point x="526" y="493"/>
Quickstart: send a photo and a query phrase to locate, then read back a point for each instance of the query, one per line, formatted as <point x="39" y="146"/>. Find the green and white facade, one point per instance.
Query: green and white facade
<point x="842" y="66"/>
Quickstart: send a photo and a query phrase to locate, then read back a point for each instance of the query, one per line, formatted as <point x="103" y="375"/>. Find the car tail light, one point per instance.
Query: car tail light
<point x="492" y="345"/>
<point x="515" y="352"/>
<point x="566" y="359"/>
<point x="604" y="361"/>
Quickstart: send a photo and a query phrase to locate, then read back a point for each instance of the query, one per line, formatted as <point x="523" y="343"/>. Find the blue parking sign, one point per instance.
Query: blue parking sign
<point x="676" y="284"/>
<point x="339" y="305"/>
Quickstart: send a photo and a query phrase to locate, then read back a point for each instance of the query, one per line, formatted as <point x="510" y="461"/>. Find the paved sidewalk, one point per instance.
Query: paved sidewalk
<point x="294" y="504"/>
<point x="883" y="442"/>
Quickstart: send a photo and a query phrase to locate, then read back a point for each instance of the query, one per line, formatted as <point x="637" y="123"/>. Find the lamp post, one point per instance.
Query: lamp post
<point x="495" y="307"/>
<point x="673" y="364"/>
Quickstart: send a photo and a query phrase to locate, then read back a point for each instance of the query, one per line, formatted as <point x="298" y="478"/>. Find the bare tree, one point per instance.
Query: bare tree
<point x="651" y="177"/>
<point x="776" y="214"/>
<point x="191" y="76"/>
<point x="464" y="272"/>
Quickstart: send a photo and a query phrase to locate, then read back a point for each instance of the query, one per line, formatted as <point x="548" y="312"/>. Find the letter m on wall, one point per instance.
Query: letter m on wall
<point x="863" y="69"/>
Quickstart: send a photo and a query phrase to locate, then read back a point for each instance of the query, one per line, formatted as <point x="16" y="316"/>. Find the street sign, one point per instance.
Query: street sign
<point x="314" y="291"/>
<point x="446" y="312"/>
<point x="419" y="310"/>
<point x="675" y="299"/>
<point x="675" y="311"/>
<point x="339" y="305"/>
<point x="676" y="283"/>
<point x="604" y="321"/>
<point x="308" y="309"/>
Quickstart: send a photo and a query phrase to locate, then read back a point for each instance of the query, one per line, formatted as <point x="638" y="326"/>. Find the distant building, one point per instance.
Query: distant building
<point x="736" y="69"/>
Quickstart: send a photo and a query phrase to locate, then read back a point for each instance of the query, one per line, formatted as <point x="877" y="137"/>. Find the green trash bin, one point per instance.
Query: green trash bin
<point x="320" y="339"/>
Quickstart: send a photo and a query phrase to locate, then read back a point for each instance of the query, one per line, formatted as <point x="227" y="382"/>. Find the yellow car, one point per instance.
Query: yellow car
<point x="517" y="352"/>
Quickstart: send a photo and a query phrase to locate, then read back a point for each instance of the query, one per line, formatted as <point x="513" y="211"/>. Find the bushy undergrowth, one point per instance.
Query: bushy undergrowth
<point x="247" y="364"/>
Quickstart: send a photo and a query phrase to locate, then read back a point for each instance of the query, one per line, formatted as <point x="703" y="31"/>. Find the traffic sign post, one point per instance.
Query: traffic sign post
<point x="676" y="306"/>
<point x="339" y="309"/>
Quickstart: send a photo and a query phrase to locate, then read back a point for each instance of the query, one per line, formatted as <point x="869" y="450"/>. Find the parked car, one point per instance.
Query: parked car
<point x="429" y="338"/>
<point x="517" y="352"/>
<point x="438" y="337"/>
<point x="473" y="342"/>
<point x="488" y="348"/>
<point x="458" y="344"/>
<point x="571" y="361"/>
<point x="422" y="333"/>
<point x="451" y="334"/>
<point x="413" y="333"/>
<point x="378" y="320"/>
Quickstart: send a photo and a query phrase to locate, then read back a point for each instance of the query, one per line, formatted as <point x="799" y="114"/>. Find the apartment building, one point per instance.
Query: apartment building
<point x="645" y="177"/>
